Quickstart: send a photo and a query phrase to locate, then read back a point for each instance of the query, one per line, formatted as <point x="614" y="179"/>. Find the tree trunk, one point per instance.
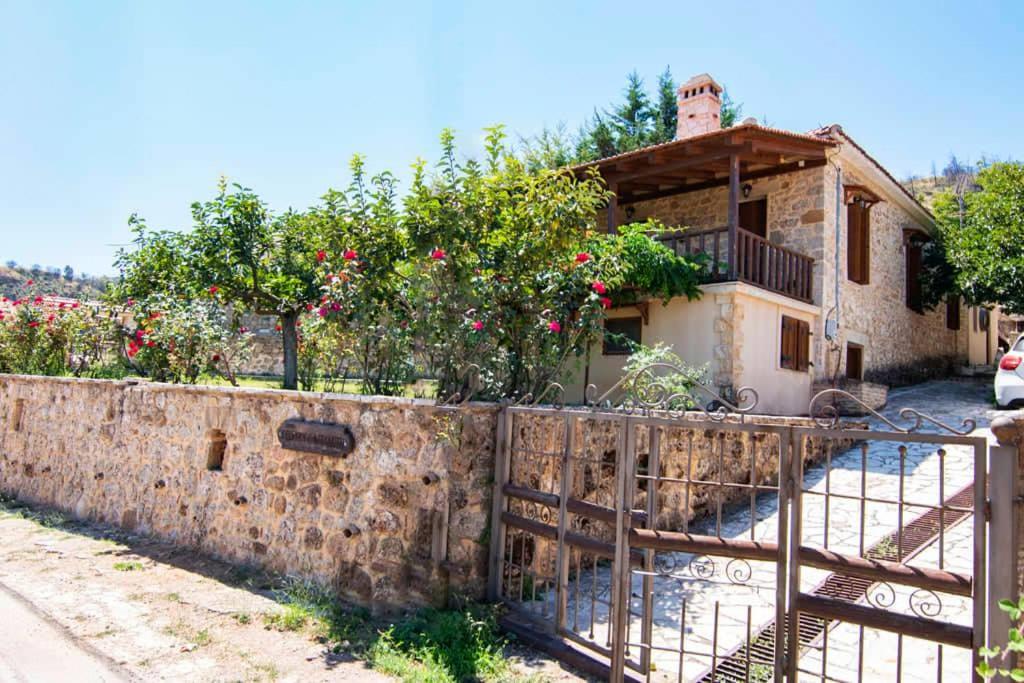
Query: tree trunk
<point x="290" y="341"/>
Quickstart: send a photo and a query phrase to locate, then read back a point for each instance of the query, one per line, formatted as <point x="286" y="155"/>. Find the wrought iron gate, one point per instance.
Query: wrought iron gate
<point x="642" y="543"/>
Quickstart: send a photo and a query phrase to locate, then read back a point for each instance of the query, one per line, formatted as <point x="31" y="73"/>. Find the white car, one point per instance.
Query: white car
<point x="1010" y="376"/>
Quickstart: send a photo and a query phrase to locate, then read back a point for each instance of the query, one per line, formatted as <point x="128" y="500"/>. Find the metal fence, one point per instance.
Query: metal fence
<point x="640" y="541"/>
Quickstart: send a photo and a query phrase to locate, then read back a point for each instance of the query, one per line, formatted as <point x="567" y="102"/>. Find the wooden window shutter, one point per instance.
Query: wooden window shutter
<point x="803" y="345"/>
<point x="858" y="226"/>
<point x="795" y="352"/>
<point x="953" y="313"/>
<point x="914" y="276"/>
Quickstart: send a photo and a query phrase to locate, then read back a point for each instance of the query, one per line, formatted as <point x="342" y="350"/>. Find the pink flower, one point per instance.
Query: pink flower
<point x="606" y="302"/>
<point x="243" y="330"/>
<point x="437" y="254"/>
<point x="50" y="318"/>
<point x="599" y="287"/>
<point x="214" y="289"/>
<point x="74" y="305"/>
<point x="38" y="300"/>
<point x="309" y="307"/>
<point x="322" y="312"/>
<point x="554" y="326"/>
<point x="321" y="255"/>
<point x="30" y="282"/>
<point x="582" y="257"/>
<point x="62" y="305"/>
<point x="335" y="306"/>
<point x="350" y="255"/>
<point x="130" y="303"/>
<point x="478" y="325"/>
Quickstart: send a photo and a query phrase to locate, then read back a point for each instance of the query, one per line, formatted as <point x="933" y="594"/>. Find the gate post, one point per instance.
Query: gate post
<point x="1004" y="531"/>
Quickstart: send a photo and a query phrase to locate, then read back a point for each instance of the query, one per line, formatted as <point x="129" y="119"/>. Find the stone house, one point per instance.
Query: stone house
<point x="815" y="252"/>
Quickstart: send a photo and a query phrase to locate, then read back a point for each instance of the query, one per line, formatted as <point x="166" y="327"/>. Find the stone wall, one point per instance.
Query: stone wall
<point x="400" y="520"/>
<point x="900" y="345"/>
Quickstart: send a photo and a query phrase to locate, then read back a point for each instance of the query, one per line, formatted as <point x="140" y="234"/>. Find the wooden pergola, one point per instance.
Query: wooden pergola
<point x="727" y="157"/>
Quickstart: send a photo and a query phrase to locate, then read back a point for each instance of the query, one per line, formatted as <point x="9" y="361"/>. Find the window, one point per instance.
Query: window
<point x="914" y="276"/>
<point x="622" y="335"/>
<point x="858" y="242"/>
<point x="754" y="216"/>
<point x="953" y="313"/>
<point x="796" y="344"/>
<point x="854" y="361"/>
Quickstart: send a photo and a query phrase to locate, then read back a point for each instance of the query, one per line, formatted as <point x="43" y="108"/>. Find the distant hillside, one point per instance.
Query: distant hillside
<point x="926" y="189"/>
<point x="14" y="283"/>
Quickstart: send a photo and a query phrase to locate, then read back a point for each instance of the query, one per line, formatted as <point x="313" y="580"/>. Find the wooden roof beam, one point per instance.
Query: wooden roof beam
<point x="668" y="167"/>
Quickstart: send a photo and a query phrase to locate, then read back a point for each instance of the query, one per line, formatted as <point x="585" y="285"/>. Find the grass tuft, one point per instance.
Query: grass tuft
<point x="128" y="566"/>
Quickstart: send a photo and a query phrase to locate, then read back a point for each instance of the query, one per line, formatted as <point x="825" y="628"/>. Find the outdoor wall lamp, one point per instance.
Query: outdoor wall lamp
<point x="746" y="188"/>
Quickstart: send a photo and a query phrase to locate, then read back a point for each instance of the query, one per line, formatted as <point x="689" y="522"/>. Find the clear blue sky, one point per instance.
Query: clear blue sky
<point x="110" y="108"/>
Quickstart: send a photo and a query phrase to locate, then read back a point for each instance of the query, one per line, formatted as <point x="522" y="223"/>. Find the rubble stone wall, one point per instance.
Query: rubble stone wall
<point x="401" y="520"/>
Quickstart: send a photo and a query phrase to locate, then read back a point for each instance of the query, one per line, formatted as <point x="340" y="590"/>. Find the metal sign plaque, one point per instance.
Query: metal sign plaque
<point x="316" y="437"/>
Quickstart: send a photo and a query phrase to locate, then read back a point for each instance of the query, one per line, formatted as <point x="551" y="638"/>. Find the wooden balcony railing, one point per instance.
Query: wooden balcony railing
<point x="758" y="261"/>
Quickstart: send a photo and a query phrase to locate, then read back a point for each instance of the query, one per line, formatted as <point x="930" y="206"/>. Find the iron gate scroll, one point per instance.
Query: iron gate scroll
<point x="654" y="545"/>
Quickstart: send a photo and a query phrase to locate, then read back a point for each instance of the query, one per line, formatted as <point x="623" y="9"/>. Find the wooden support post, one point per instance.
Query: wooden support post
<point x="734" y="210"/>
<point x="613" y="208"/>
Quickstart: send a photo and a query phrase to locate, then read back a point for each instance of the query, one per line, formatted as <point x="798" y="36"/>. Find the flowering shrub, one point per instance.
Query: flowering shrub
<point x="49" y="336"/>
<point x="176" y="340"/>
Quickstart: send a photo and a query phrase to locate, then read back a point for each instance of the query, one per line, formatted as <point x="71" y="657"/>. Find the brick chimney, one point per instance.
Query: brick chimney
<point x="699" y="107"/>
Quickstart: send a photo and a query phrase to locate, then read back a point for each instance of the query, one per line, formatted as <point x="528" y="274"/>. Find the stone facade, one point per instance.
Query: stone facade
<point x="899" y="343"/>
<point x="402" y="520"/>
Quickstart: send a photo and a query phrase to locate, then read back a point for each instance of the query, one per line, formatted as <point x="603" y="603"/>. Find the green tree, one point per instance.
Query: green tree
<point x="667" y="109"/>
<point x="730" y="112"/>
<point x="632" y="119"/>
<point x="237" y="253"/>
<point x="244" y="255"/>
<point x="982" y="236"/>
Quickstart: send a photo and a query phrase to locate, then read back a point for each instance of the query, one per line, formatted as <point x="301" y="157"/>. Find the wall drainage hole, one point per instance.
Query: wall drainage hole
<point x="215" y="451"/>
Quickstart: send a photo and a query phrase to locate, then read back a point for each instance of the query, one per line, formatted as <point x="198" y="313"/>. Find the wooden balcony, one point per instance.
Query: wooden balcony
<point x="758" y="261"/>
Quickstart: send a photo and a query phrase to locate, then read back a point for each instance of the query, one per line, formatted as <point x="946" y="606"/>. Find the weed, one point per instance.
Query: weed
<point x="242" y="618"/>
<point x="128" y="566"/>
<point x="430" y="646"/>
<point x="173" y="597"/>
<point x="291" y="618"/>
<point x="201" y="638"/>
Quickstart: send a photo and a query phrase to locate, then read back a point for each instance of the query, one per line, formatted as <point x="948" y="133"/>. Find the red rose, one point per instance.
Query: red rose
<point x="335" y="306"/>
<point x="38" y="300"/>
<point x="437" y="254"/>
<point x="214" y="289"/>
<point x="350" y="255"/>
<point x="309" y="307"/>
<point x="599" y="287"/>
<point x="606" y="302"/>
<point x="478" y="325"/>
<point x="33" y="324"/>
<point x="151" y="343"/>
<point x="243" y="330"/>
<point x="30" y="282"/>
<point x="216" y="357"/>
<point x="582" y="257"/>
<point x="74" y="305"/>
<point x="277" y="328"/>
<point x="554" y="326"/>
<point x="321" y="255"/>
<point x="50" y="319"/>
